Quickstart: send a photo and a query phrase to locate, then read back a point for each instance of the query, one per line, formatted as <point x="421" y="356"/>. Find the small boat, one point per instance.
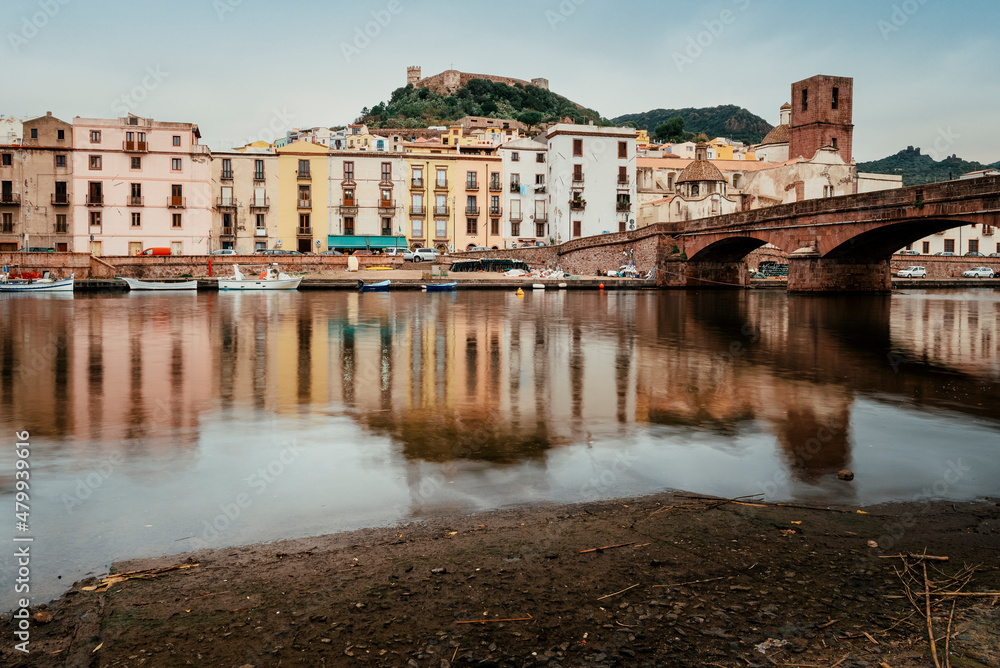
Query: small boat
<point x="441" y="287"/>
<point x="538" y="286"/>
<point x="374" y="287"/>
<point x="269" y="279"/>
<point x="44" y="284"/>
<point x="136" y="284"/>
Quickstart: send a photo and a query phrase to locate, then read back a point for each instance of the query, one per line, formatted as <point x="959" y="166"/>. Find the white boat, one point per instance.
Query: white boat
<point x="136" y="284"/>
<point x="44" y="284"/>
<point x="269" y="279"/>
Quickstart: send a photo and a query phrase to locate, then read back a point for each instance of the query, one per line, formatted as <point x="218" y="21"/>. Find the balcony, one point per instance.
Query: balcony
<point x="417" y="210"/>
<point x="226" y="232"/>
<point x="472" y="186"/>
<point x="987" y="230"/>
<point x="303" y="174"/>
<point x="386" y="206"/>
<point x="417" y="183"/>
<point x="258" y="176"/>
<point x="174" y="202"/>
<point x="60" y="199"/>
<point x="304" y="231"/>
<point x="515" y="187"/>
<point x="541" y="190"/>
<point x="225" y="203"/>
<point x="623" y="182"/>
<point x="577" y="179"/>
<point x="472" y="210"/>
<point x="623" y="207"/>
<point x="495" y="187"/>
<point x="385" y="183"/>
<point x="440" y="185"/>
<point x="496" y="210"/>
<point x="260" y="232"/>
<point x="135" y="200"/>
<point x="305" y="203"/>
<point x="442" y="211"/>
<point x="134" y="146"/>
<point x="542" y="217"/>
<point x="227" y="176"/>
<point x="578" y="204"/>
<point x="349" y="206"/>
<point x="95" y="200"/>
<point x="260" y="203"/>
<point x="516" y="216"/>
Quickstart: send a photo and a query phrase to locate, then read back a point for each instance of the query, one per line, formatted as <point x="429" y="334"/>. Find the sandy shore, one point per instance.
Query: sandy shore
<point x="680" y="580"/>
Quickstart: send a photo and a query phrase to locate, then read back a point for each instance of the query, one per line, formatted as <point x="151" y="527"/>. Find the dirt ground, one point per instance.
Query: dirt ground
<point x="681" y="581"/>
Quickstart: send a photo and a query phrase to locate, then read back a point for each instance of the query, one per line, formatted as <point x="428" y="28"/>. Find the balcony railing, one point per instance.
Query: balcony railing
<point x="225" y="203"/>
<point x="303" y="174"/>
<point x="542" y="217"/>
<point x="260" y="203"/>
<point x="258" y="176"/>
<point x="577" y="178"/>
<point x="60" y="199"/>
<point x="387" y="205"/>
<point x="349" y="204"/>
<point x="417" y="210"/>
<point x="623" y="206"/>
<point x="305" y="203"/>
<point x="516" y="216"/>
<point x="515" y="187"/>
<point x="541" y="190"/>
<point x="135" y="200"/>
<point x="174" y="202"/>
<point x="472" y="210"/>
<point x="95" y="200"/>
<point x="227" y="176"/>
<point x="440" y="185"/>
<point x="577" y="204"/>
<point x="495" y="187"/>
<point x="496" y="210"/>
<point x="305" y="231"/>
<point x="442" y="211"/>
<point x="416" y="183"/>
<point x="227" y="232"/>
<point x="472" y="185"/>
<point x="135" y="146"/>
<point x="623" y="182"/>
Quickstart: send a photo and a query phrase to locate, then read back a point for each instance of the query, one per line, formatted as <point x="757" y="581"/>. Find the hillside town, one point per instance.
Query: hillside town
<point x="117" y="186"/>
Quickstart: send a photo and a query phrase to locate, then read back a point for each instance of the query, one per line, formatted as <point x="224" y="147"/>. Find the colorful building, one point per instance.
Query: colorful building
<point x="302" y="205"/>
<point x="245" y="187"/>
<point x="367" y="199"/>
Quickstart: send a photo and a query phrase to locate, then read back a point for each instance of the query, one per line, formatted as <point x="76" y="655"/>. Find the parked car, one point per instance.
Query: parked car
<point x="395" y="252"/>
<point x="425" y="255"/>
<point x="912" y="272"/>
<point x="909" y="252"/>
<point x="162" y="250"/>
<point x="974" y="254"/>
<point x="38" y="249"/>
<point x="947" y="254"/>
<point x="272" y="251"/>
<point x="224" y="251"/>
<point x="479" y="248"/>
<point x="978" y="272"/>
<point x="331" y="252"/>
<point x="993" y="255"/>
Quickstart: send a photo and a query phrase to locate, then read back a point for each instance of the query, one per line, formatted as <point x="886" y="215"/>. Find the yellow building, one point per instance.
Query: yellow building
<point x="302" y="197"/>
<point x="723" y="150"/>
<point x="432" y="188"/>
<point x="642" y="140"/>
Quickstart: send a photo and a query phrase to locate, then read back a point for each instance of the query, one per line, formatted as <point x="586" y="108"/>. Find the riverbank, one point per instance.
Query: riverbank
<point x="677" y="580"/>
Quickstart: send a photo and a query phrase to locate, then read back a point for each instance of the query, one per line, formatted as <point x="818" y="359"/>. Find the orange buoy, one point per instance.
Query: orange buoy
<point x="601" y="286"/>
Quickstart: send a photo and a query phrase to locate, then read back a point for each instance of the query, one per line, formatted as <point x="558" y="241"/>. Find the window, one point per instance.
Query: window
<point x="61" y="225"/>
<point x="515" y="183"/>
<point x="577" y="228"/>
<point x="441" y="231"/>
<point x="471" y="205"/>
<point x="62" y="196"/>
<point x="805" y="99"/>
<point x="386" y="227"/>
<point x="135" y="194"/>
<point x="441" y="205"/>
<point x="623" y="150"/>
<point x="175" y="164"/>
<point x="494" y="205"/>
<point x="578" y="173"/>
<point x="260" y="245"/>
<point x="442" y="178"/>
<point x="227" y="168"/>
<point x="973" y="245"/>
<point x="539" y="229"/>
<point x="349" y="171"/>
<point x="304" y="172"/>
<point x="515" y="209"/>
<point x="834" y="142"/>
<point x="418" y="177"/>
<point x="304" y="224"/>
<point x="136" y="163"/>
<point x="8" y="223"/>
<point x="95" y="136"/>
<point x="495" y="226"/>
<point x="515" y="157"/>
<point x="95" y="196"/>
<point x="175" y="220"/>
<point x="949" y="245"/>
<point x="387" y="171"/>
<point x="539" y="179"/>
<point x="623" y="175"/>
<point x="827" y="191"/>
<point x="258" y="170"/>
<point x="836" y="98"/>
<point x="8" y="159"/>
<point x="61" y="135"/>
<point x="926" y="248"/>
<point x="349" y="197"/>
<point x="472" y="180"/>
<point x="259" y="221"/>
<point x="305" y="196"/>
<point x="515" y="229"/>
<point x="471" y="226"/>
<point x="227" y="223"/>
<point x="60" y="161"/>
<point x="417" y="228"/>
<point x="539" y="157"/>
<point x="34" y="133"/>
<point x="95" y="218"/>
<point x="417" y="203"/>
<point x="177" y="140"/>
<point x="578" y="148"/>
<point x="348" y="225"/>
<point x="95" y="162"/>
<point x="136" y="219"/>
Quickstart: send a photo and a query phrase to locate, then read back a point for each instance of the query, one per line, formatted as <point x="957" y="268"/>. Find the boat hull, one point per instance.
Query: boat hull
<point x="260" y="284"/>
<point x="441" y="287"/>
<point x="374" y="287"/>
<point x="64" y="285"/>
<point x="135" y="284"/>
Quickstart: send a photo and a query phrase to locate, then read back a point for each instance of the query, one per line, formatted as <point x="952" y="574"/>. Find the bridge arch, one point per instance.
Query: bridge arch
<point x="727" y="249"/>
<point x="879" y="241"/>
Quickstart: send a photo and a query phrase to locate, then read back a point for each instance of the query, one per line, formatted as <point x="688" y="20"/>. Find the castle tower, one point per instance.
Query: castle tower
<point x="413" y="75"/>
<point x="541" y="83"/>
<point x="822" y="115"/>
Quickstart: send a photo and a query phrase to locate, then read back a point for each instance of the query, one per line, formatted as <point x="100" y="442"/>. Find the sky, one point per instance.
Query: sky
<point x="925" y="71"/>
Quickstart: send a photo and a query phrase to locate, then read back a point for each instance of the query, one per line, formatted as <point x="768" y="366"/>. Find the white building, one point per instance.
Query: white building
<point x="591" y="180"/>
<point x="367" y="200"/>
<point x="525" y="193"/>
<point x="10" y="130"/>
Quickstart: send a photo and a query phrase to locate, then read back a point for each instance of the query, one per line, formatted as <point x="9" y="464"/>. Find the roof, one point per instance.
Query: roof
<point x="700" y="170"/>
<point x="786" y="106"/>
<point x="671" y="161"/>
<point x="524" y="144"/>
<point x="779" y="135"/>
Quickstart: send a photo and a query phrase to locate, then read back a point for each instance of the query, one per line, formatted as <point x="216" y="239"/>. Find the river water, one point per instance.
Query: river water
<point x="161" y="423"/>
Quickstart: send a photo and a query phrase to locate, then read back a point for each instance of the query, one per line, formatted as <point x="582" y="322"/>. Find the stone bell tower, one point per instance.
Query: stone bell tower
<point x="822" y="115"/>
<point x="413" y="75"/>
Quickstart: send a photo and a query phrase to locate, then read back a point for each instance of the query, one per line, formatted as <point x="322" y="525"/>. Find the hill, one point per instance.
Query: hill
<point x="918" y="168"/>
<point x="411" y="107"/>
<point x="726" y="120"/>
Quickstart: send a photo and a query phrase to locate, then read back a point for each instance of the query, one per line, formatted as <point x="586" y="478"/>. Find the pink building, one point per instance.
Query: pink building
<point x="140" y="183"/>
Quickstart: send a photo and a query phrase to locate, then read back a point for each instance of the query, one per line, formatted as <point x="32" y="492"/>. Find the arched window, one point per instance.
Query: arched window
<point x="694" y="190"/>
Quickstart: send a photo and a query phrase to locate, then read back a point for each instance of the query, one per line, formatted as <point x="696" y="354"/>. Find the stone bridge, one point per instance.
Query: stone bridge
<point x="834" y="244"/>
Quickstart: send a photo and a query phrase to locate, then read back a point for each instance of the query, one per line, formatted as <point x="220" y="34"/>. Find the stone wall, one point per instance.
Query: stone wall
<point x="943" y="267"/>
<point x="814" y="274"/>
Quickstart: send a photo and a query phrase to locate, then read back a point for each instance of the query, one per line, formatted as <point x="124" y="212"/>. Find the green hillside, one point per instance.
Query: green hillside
<point x="918" y="168"/>
<point x="411" y="107"/>
<point x="727" y="120"/>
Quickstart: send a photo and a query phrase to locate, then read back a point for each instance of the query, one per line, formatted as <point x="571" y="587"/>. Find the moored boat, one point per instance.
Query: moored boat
<point x="136" y="284"/>
<point x="44" y="284"/>
<point x="269" y="279"/>
<point x="382" y="286"/>
<point x="441" y="287"/>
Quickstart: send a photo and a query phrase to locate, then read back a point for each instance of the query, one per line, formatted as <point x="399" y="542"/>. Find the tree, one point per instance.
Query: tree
<point x="530" y="118"/>
<point x="672" y="130"/>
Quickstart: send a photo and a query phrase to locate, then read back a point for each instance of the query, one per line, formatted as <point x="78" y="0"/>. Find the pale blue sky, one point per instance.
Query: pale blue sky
<point x="924" y="70"/>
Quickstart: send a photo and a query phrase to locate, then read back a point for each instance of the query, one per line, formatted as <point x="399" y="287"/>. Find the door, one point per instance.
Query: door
<point x="95" y="248"/>
<point x="176" y="247"/>
<point x="304" y="245"/>
<point x="134" y="247"/>
<point x="62" y="248"/>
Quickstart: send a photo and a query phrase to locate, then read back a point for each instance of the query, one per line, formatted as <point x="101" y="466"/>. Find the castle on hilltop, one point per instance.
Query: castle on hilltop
<point x="449" y="81"/>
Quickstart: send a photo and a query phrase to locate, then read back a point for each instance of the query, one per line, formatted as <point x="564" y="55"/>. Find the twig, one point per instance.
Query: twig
<point x="484" y="621"/>
<point x="947" y="636"/>
<point x="693" y="582"/>
<point x="930" y="626"/>
<point x="829" y="623"/>
<point x="608" y="547"/>
<point x="841" y="661"/>
<point x="618" y="592"/>
<point x="926" y="557"/>
<point x="869" y="636"/>
<point x="455" y="654"/>
<point x="967" y="593"/>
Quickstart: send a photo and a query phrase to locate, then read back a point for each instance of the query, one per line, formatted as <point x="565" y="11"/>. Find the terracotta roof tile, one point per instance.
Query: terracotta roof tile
<point x="700" y="170"/>
<point x="779" y="135"/>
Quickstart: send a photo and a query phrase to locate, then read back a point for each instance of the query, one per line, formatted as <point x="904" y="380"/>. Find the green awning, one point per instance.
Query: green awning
<point x="360" y="242"/>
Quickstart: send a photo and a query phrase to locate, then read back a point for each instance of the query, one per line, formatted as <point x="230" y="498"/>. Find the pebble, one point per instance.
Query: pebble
<point x="845" y="474"/>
